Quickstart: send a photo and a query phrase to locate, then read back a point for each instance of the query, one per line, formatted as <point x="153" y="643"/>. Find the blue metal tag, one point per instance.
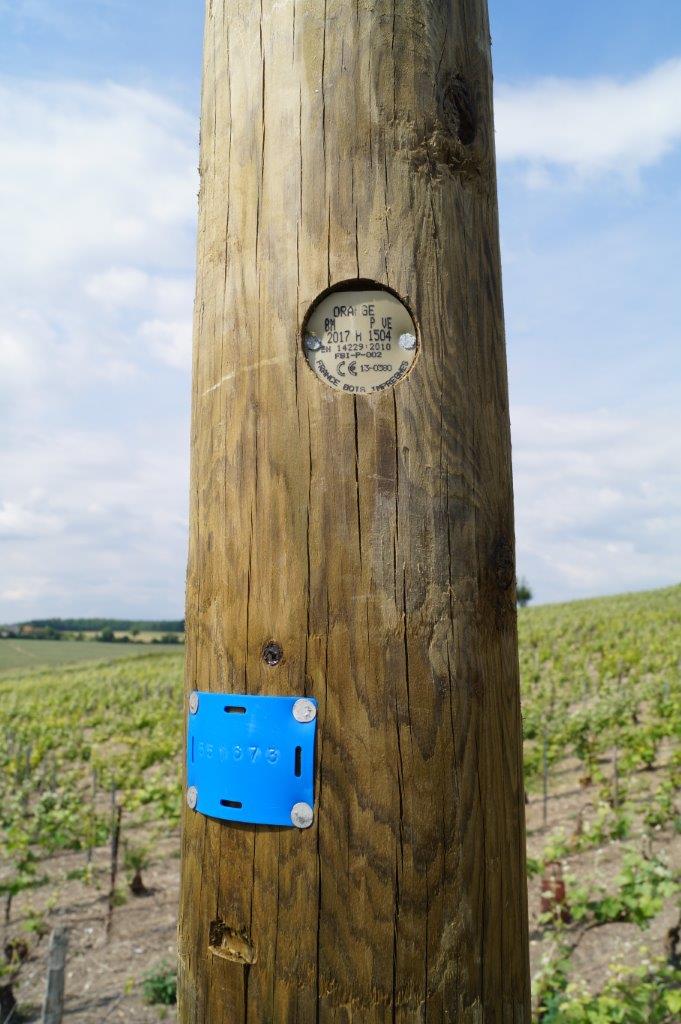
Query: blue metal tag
<point x="251" y="759"/>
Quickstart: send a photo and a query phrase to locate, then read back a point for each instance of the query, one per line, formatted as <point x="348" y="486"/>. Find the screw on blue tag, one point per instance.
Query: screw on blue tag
<point x="251" y="759"/>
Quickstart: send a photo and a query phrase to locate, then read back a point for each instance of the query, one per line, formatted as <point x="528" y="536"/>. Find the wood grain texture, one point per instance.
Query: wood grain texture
<point x="372" y="537"/>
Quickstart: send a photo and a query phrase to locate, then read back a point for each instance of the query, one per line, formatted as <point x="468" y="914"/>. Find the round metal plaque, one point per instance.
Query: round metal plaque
<point x="360" y="340"/>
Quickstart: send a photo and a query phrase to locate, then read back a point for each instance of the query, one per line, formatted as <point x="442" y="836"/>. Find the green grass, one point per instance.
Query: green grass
<point x="29" y="654"/>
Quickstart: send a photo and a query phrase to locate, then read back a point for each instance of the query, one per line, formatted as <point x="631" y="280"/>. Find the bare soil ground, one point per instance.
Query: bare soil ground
<point x="600" y="947"/>
<point x="104" y="978"/>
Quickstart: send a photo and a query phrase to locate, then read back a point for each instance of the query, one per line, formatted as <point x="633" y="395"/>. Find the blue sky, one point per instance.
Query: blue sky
<point x="98" y="136"/>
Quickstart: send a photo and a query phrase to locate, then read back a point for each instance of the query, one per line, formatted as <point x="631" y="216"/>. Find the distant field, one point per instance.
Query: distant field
<point x="16" y="654"/>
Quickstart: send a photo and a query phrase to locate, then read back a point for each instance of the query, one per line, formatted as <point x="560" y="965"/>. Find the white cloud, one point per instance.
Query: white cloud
<point x="597" y="499"/>
<point x="19" y="521"/>
<point x="119" y="287"/>
<point x="98" y="520"/>
<point x="15" y="357"/>
<point x="590" y="126"/>
<point x="164" y="303"/>
<point x="170" y="341"/>
<point x="97" y="212"/>
<point x="92" y="172"/>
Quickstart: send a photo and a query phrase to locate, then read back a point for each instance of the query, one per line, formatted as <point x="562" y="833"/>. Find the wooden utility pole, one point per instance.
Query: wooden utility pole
<point x="357" y="545"/>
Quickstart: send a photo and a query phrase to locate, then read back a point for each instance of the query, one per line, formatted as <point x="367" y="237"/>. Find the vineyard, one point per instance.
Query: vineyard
<point x="90" y="762"/>
<point x="601" y="684"/>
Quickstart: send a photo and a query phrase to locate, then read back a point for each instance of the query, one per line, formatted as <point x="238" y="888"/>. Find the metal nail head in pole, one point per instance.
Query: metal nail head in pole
<point x="192" y="797"/>
<point x="302" y="815"/>
<point x="193" y="702"/>
<point x="304" y="710"/>
<point x="408" y="341"/>
<point x="313" y="343"/>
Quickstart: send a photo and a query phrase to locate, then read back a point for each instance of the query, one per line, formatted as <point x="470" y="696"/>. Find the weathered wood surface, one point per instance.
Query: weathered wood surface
<point x="53" y="1005"/>
<point x="372" y="537"/>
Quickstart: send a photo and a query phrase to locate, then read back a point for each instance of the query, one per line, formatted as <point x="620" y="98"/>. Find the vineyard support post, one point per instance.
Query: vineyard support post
<point x="364" y="532"/>
<point x="53" y="1006"/>
<point x="116" y="815"/>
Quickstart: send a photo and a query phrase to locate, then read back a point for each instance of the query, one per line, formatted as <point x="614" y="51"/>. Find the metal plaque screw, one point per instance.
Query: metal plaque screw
<point x="193" y="702"/>
<point x="302" y="815"/>
<point x="312" y="343"/>
<point x="408" y="341"/>
<point x="192" y="797"/>
<point x="304" y="710"/>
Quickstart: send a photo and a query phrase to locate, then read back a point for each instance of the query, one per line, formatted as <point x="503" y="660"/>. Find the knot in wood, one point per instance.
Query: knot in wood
<point x="457" y="109"/>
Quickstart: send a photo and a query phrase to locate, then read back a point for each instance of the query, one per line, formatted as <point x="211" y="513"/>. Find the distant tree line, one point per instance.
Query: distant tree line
<point x="107" y="636"/>
<point x="113" y="625"/>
